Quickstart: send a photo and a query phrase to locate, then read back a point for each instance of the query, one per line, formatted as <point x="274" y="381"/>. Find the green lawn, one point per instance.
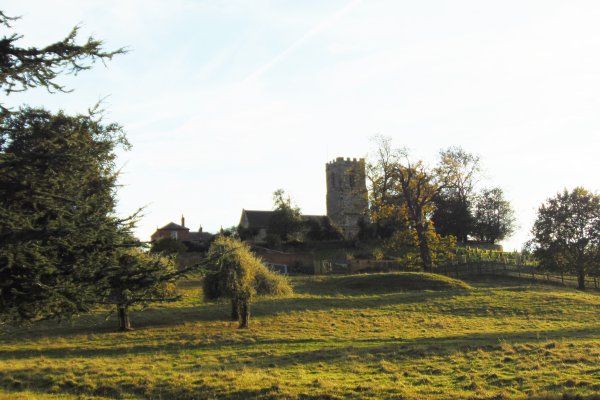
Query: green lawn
<point x="337" y="337"/>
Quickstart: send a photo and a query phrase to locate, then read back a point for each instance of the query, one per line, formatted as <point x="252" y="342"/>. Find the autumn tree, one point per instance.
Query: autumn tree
<point x="419" y="186"/>
<point x="566" y="232"/>
<point x="453" y="205"/>
<point x="384" y="194"/>
<point x="404" y="192"/>
<point x="494" y="218"/>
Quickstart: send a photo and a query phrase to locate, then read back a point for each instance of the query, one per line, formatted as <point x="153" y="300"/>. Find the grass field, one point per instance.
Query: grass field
<point x="337" y="337"/>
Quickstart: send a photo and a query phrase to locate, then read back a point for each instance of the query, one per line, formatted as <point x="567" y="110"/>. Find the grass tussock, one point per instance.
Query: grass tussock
<point x="338" y="337"/>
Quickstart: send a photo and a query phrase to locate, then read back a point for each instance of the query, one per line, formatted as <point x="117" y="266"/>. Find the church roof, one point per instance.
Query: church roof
<point x="258" y="219"/>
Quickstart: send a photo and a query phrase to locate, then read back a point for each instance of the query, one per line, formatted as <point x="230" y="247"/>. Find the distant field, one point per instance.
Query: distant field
<point x="337" y="337"/>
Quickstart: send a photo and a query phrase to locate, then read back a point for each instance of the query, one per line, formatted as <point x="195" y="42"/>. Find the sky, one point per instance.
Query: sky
<point x="226" y="101"/>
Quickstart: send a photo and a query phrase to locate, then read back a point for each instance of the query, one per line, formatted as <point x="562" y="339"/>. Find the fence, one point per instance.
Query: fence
<point x="459" y="270"/>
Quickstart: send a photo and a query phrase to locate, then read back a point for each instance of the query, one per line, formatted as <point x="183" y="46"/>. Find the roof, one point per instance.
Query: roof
<point x="172" y="226"/>
<point x="261" y="219"/>
<point x="258" y="219"/>
<point x="200" y="236"/>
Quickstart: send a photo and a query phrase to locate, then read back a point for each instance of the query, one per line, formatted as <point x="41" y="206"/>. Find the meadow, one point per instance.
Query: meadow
<point x="391" y="336"/>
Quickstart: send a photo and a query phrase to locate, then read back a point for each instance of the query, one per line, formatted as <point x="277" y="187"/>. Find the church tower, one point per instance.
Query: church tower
<point x="347" y="201"/>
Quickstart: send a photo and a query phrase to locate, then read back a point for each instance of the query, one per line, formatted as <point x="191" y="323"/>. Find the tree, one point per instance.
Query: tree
<point x="452" y="214"/>
<point x="384" y="196"/>
<point x="26" y="68"/>
<point x="237" y="274"/>
<point x="403" y="192"/>
<point x="566" y="232"/>
<point x="168" y="246"/>
<point x="58" y="228"/>
<point x="286" y="220"/>
<point x="494" y="217"/>
<point x="321" y="229"/>
<point x="138" y="278"/>
<point x="419" y="186"/>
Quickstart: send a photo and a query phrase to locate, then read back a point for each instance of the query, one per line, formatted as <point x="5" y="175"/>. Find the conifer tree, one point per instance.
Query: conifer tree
<point x="138" y="278"/>
<point x="58" y="228"/>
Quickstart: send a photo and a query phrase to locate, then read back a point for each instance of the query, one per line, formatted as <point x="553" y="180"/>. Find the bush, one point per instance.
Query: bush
<point x="269" y="283"/>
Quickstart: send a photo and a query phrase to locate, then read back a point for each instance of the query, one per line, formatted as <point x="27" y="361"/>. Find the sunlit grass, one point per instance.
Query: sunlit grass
<point x="337" y="337"/>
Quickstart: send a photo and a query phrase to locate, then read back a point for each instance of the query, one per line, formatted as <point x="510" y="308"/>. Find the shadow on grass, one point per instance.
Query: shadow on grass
<point x="97" y="323"/>
<point x="74" y="380"/>
<point x="326" y="350"/>
<point x="402" y="349"/>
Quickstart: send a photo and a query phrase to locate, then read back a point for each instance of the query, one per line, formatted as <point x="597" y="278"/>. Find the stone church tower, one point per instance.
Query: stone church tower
<point x="347" y="201"/>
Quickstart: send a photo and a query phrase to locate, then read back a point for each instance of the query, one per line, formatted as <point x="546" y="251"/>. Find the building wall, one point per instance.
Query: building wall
<point x="181" y="234"/>
<point x="347" y="201"/>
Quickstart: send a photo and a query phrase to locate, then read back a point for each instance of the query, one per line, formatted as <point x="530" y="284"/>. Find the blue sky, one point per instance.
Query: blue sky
<point x="226" y="101"/>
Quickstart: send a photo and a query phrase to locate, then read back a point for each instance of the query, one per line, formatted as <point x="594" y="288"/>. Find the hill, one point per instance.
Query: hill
<point x="378" y="283"/>
<point x="337" y="337"/>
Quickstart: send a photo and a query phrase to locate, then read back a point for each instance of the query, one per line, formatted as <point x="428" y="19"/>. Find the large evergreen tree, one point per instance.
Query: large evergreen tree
<point x="25" y="68"/>
<point x="58" y="229"/>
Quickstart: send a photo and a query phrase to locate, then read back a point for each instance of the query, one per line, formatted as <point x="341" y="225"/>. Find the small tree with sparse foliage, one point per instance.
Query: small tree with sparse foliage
<point x="237" y="274"/>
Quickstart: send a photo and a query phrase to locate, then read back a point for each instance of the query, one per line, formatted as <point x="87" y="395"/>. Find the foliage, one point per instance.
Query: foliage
<point x="286" y="220"/>
<point x="168" y="246"/>
<point x="406" y="243"/>
<point x="138" y="278"/>
<point x="452" y="214"/>
<point x="494" y="216"/>
<point x="566" y="232"/>
<point x="239" y="275"/>
<point x="403" y="191"/>
<point x="269" y="283"/>
<point x="384" y="196"/>
<point x="232" y="231"/>
<point x="58" y="230"/>
<point x="26" y="68"/>
<point x="57" y="199"/>
<point x="322" y="229"/>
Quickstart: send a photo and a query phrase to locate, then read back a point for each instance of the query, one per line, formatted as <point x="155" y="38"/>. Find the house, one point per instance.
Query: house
<point x="181" y="233"/>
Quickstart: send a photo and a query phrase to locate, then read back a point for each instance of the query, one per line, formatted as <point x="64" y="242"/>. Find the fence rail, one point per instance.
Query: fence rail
<point x="459" y="270"/>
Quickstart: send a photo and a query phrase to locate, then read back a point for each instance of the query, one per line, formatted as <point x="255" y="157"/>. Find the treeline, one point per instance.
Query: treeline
<point x="429" y="209"/>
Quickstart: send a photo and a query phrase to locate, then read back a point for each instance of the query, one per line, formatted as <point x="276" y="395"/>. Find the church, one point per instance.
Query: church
<point x="347" y="201"/>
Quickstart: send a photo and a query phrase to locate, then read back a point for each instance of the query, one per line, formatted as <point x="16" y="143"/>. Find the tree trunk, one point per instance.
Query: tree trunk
<point x="581" y="279"/>
<point x="424" y="248"/>
<point x="235" y="309"/>
<point x="245" y="314"/>
<point x="124" y="323"/>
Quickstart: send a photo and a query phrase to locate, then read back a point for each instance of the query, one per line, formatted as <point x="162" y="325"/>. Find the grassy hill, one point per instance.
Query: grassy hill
<point x="364" y="336"/>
